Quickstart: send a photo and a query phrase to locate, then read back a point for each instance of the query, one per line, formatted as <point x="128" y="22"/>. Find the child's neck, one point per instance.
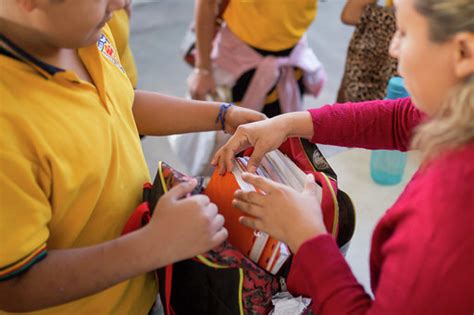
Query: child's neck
<point x="36" y="45"/>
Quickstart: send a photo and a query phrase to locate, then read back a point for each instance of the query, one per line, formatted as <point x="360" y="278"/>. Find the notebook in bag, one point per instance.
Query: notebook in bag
<point x="269" y="253"/>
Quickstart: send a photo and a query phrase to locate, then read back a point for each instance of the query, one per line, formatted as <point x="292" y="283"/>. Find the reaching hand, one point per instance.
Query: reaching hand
<point x="263" y="135"/>
<point x="281" y="211"/>
<point x="237" y="116"/>
<point x="189" y="225"/>
<point x="201" y="85"/>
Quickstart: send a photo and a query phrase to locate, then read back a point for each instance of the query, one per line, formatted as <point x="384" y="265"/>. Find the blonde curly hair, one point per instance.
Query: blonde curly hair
<point x="452" y="126"/>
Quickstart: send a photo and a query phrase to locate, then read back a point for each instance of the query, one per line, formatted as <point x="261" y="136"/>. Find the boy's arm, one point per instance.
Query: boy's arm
<point x="179" y="228"/>
<point x="159" y="115"/>
<point x="70" y="274"/>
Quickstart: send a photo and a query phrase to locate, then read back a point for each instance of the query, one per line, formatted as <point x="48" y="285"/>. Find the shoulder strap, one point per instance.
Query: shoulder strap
<point x="317" y="159"/>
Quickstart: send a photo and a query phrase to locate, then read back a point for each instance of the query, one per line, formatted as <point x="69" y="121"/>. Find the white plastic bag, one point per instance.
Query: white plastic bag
<point x="194" y="150"/>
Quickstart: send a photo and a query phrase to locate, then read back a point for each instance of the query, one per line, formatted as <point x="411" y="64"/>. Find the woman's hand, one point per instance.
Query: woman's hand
<point x="281" y="211"/>
<point x="189" y="226"/>
<point x="263" y="135"/>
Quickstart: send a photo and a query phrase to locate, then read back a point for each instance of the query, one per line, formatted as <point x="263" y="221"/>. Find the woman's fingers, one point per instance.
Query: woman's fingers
<point x="248" y="208"/>
<point x="256" y="157"/>
<point x="224" y="157"/>
<point x="254" y="224"/>
<point x="252" y="197"/>
<point x="261" y="183"/>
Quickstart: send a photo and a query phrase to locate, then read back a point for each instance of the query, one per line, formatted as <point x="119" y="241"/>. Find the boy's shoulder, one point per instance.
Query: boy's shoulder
<point x="107" y="46"/>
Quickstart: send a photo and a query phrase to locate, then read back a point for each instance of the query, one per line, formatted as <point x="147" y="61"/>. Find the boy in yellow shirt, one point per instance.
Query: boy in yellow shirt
<point x="72" y="167"/>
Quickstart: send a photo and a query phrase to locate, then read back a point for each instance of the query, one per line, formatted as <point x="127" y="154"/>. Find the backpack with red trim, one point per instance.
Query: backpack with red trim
<point x="225" y="280"/>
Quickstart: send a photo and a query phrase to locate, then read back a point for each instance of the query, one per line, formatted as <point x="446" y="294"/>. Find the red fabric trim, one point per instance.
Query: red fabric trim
<point x="136" y="219"/>
<point x="327" y="202"/>
<point x="168" y="284"/>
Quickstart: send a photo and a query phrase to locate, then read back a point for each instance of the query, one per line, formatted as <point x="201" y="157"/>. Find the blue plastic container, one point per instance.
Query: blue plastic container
<point x="387" y="167"/>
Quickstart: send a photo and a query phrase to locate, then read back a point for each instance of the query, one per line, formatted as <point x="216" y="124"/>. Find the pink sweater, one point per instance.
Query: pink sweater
<point x="236" y="57"/>
<point x="422" y="254"/>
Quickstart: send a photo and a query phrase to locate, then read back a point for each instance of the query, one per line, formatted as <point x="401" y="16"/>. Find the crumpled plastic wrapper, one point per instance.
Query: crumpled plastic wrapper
<point x="286" y="304"/>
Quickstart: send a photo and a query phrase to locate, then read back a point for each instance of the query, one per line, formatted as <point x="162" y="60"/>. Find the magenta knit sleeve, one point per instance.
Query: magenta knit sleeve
<point x="381" y="124"/>
<point x="320" y="272"/>
<point x="421" y="251"/>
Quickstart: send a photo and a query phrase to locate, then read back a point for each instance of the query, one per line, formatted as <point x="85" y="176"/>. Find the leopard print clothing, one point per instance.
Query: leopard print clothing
<point x="368" y="64"/>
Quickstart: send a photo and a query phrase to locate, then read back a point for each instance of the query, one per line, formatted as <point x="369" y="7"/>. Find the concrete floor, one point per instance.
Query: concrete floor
<point x="157" y="30"/>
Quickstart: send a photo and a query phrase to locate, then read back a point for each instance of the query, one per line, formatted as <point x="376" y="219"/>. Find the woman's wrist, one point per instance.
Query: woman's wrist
<point x="302" y="237"/>
<point x="299" y="124"/>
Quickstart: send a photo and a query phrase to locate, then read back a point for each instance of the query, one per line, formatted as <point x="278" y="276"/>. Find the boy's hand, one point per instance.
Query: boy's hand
<point x="282" y="212"/>
<point x="263" y="135"/>
<point x="188" y="226"/>
<point x="237" y="115"/>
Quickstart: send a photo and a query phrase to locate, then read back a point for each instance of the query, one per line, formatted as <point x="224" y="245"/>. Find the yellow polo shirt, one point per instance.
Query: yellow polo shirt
<point x="120" y="27"/>
<point x="71" y="167"/>
<point x="271" y="25"/>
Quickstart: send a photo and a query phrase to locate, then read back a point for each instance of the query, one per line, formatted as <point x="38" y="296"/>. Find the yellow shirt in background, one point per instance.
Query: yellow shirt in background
<point x="120" y="27"/>
<point x="271" y="25"/>
<point x="72" y="167"/>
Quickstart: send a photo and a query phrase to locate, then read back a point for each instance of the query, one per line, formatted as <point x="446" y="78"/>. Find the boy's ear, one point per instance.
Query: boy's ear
<point x="27" y="5"/>
<point x="464" y="63"/>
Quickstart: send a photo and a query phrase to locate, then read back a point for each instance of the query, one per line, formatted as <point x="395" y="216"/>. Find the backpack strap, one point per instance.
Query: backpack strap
<point x="168" y="287"/>
<point x="141" y="215"/>
<point x="165" y="281"/>
<point x="329" y="202"/>
<point x="317" y="159"/>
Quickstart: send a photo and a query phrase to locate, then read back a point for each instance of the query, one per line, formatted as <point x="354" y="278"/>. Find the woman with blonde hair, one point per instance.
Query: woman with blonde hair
<point x="422" y="249"/>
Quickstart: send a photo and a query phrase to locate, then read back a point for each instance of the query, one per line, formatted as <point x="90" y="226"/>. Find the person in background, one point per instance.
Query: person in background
<point x="368" y="66"/>
<point x="422" y="249"/>
<point x="261" y="53"/>
<point x="353" y="10"/>
<point x="72" y="167"/>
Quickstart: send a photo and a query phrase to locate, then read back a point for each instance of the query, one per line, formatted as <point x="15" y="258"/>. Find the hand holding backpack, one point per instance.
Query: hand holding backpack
<point x="224" y="280"/>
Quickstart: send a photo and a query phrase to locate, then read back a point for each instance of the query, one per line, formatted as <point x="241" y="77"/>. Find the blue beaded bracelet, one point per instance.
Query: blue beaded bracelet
<point x="221" y="116"/>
